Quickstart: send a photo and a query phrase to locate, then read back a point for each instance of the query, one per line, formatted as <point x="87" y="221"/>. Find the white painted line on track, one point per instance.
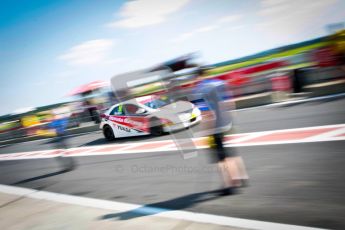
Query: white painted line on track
<point x="326" y="135"/>
<point x="249" y="137"/>
<point x="146" y="210"/>
<point x="284" y="142"/>
<point x="292" y="102"/>
<point x="170" y="147"/>
<point x="295" y="129"/>
<point x="259" y="133"/>
<point x="312" y="134"/>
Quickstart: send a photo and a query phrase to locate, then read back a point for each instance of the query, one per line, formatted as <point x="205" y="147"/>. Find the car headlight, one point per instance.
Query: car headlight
<point x="196" y="112"/>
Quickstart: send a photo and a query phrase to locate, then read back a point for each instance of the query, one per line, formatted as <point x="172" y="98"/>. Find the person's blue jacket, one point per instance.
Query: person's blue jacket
<point x="59" y="125"/>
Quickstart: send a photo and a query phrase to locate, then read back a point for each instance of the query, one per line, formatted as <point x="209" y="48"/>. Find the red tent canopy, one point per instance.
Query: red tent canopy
<point x="88" y="87"/>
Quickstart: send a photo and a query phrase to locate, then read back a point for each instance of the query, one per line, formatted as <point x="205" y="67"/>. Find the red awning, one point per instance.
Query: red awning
<point x="88" y="87"/>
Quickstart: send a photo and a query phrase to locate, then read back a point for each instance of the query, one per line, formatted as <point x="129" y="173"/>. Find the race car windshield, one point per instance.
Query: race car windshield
<point x="155" y="104"/>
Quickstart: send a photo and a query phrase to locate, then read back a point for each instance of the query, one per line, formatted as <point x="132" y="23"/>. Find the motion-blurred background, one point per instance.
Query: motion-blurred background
<point x="63" y="54"/>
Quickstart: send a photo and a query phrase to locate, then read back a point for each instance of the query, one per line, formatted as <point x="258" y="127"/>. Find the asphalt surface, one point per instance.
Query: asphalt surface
<point x="298" y="184"/>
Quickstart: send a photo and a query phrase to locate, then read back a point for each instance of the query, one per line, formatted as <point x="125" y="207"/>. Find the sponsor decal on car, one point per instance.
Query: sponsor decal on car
<point x="133" y="122"/>
<point x="138" y="123"/>
<point x="124" y="128"/>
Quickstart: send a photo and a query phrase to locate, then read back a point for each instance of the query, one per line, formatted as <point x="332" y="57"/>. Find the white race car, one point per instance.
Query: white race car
<point x="148" y="115"/>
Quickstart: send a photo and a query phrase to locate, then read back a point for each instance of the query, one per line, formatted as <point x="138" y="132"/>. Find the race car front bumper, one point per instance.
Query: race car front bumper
<point x="195" y="119"/>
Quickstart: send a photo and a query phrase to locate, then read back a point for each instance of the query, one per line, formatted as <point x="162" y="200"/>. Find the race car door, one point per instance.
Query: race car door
<point x="127" y="124"/>
<point x="136" y="119"/>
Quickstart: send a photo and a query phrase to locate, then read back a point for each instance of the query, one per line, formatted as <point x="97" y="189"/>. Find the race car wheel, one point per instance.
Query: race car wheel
<point x="156" y="128"/>
<point x="108" y="133"/>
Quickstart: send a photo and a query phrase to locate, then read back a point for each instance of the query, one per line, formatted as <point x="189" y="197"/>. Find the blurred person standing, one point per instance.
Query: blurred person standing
<point x="214" y="92"/>
<point x="59" y="124"/>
